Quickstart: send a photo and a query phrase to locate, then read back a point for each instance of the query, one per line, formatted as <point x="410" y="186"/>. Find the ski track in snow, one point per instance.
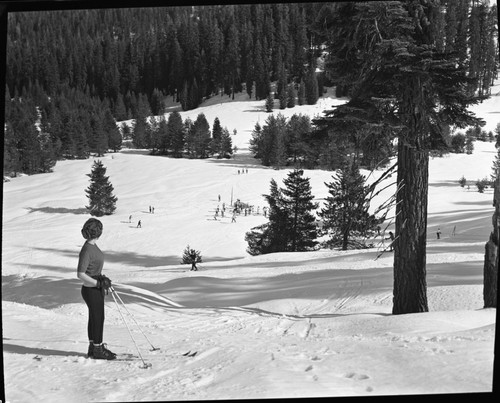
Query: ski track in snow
<point x="280" y="325"/>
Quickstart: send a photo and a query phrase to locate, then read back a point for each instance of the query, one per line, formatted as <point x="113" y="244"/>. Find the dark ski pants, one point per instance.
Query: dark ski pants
<point x="94" y="299"/>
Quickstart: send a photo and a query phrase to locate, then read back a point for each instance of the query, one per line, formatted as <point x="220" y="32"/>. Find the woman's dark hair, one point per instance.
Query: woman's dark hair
<point x="92" y="229"/>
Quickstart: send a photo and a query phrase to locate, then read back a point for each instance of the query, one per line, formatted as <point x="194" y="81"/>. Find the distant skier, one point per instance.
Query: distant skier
<point x="234" y="217"/>
<point x="139" y="224"/>
<point x="219" y="198"/>
<point x="95" y="286"/>
<point x="438" y="234"/>
<point x="149" y="209"/>
<point x="153" y="210"/>
<point x="129" y="219"/>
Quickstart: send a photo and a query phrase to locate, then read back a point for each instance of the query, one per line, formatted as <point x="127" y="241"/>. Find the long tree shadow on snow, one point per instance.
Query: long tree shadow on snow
<point x="45" y="292"/>
<point x="58" y="210"/>
<point x="126" y="258"/>
<point x="14" y="348"/>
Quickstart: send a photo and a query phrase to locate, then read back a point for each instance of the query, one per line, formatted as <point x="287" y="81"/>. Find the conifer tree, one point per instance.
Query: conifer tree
<point x="152" y="134"/>
<point x="291" y="95"/>
<point x="100" y="192"/>
<point x="111" y="129"/>
<point x="176" y="133"/>
<point x="190" y="138"/>
<point x="270" y="102"/>
<point x="120" y="111"/>
<point x="311" y="87"/>
<point x="191" y="256"/>
<point x="201" y="136"/>
<point x="139" y="132"/>
<point x="400" y="78"/>
<point x="276" y="234"/>
<point x="164" y="139"/>
<point x="346" y="213"/>
<point x="298" y="130"/>
<point x="299" y="206"/>
<point x="301" y="95"/>
<point x="226" y="145"/>
<point x="256" y="141"/>
<point x="215" y="144"/>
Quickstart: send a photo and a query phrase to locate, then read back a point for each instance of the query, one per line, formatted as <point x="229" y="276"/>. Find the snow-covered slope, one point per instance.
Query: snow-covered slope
<point x="279" y="325"/>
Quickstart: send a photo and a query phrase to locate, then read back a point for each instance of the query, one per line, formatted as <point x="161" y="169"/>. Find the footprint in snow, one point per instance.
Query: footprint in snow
<point x="357" y="377"/>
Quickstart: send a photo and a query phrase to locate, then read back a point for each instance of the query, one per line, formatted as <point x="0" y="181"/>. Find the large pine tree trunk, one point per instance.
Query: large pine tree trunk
<point x="410" y="288"/>
<point x="491" y="255"/>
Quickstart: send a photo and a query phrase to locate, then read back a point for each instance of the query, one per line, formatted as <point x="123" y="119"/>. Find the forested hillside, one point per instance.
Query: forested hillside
<point x="72" y="74"/>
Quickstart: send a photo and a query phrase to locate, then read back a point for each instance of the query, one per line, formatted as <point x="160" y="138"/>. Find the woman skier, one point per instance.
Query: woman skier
<point x="95" y="286"/>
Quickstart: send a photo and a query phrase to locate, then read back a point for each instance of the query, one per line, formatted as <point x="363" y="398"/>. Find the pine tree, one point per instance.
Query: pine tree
<point x="345" y="214"/>
<point x="190" y="138"/>
<point x="153" y="134"/>
<point x="226" y="145"/>
<point x="311" y="87"/>
<point x="176" y="133"/>
<point x="256" y="141"/>
<point x="298" y="129"/>
<point x="112" y="131"/>
<point x="282" y="88"/>
<point x="120" y="111"/>
<point x="400" y="79"/>
<point x="301" y="95"/>
<point x="100" y="192"/>
<point x="164" y="139"/>
<point x="291" y="95"/>
<point x="270" y="102"/>
<point x="276" y="233"/>
<point x="191" y="256"/>
<point x="298" y="204"/>
<point x="139" y="132"/>
<point x="215" y="144"/>
<point x="201" y="133"/>
<point x="157" y="103"/>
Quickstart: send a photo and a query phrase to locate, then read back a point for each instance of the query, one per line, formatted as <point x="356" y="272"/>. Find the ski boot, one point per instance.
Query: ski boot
<point x="102" y="353"/>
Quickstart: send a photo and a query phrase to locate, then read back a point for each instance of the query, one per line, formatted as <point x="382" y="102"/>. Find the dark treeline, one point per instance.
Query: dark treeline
<point x="72" y="74"/>
<point x="189" y="53"/>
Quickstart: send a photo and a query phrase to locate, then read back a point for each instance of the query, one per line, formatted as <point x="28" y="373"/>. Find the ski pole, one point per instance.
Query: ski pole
<point x="153" y="348"/>
<point x="146" y="365"/>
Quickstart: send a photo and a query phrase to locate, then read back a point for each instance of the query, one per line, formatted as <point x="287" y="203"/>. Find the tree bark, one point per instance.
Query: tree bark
<point x="491" y="257"/>
<point x="410" y="287"/>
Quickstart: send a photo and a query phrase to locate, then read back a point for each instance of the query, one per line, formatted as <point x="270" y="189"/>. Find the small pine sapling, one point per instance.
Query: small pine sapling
<point x="481" y="185"/>
<point x="192" y="257"/>
<point x="462" y="181"/>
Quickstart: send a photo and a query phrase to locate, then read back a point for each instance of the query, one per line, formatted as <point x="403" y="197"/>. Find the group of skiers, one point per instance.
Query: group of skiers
<point x="238" y="208"/>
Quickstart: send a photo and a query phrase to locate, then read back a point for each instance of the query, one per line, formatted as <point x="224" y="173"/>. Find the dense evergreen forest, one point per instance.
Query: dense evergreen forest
<point x="70" y="75"/>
